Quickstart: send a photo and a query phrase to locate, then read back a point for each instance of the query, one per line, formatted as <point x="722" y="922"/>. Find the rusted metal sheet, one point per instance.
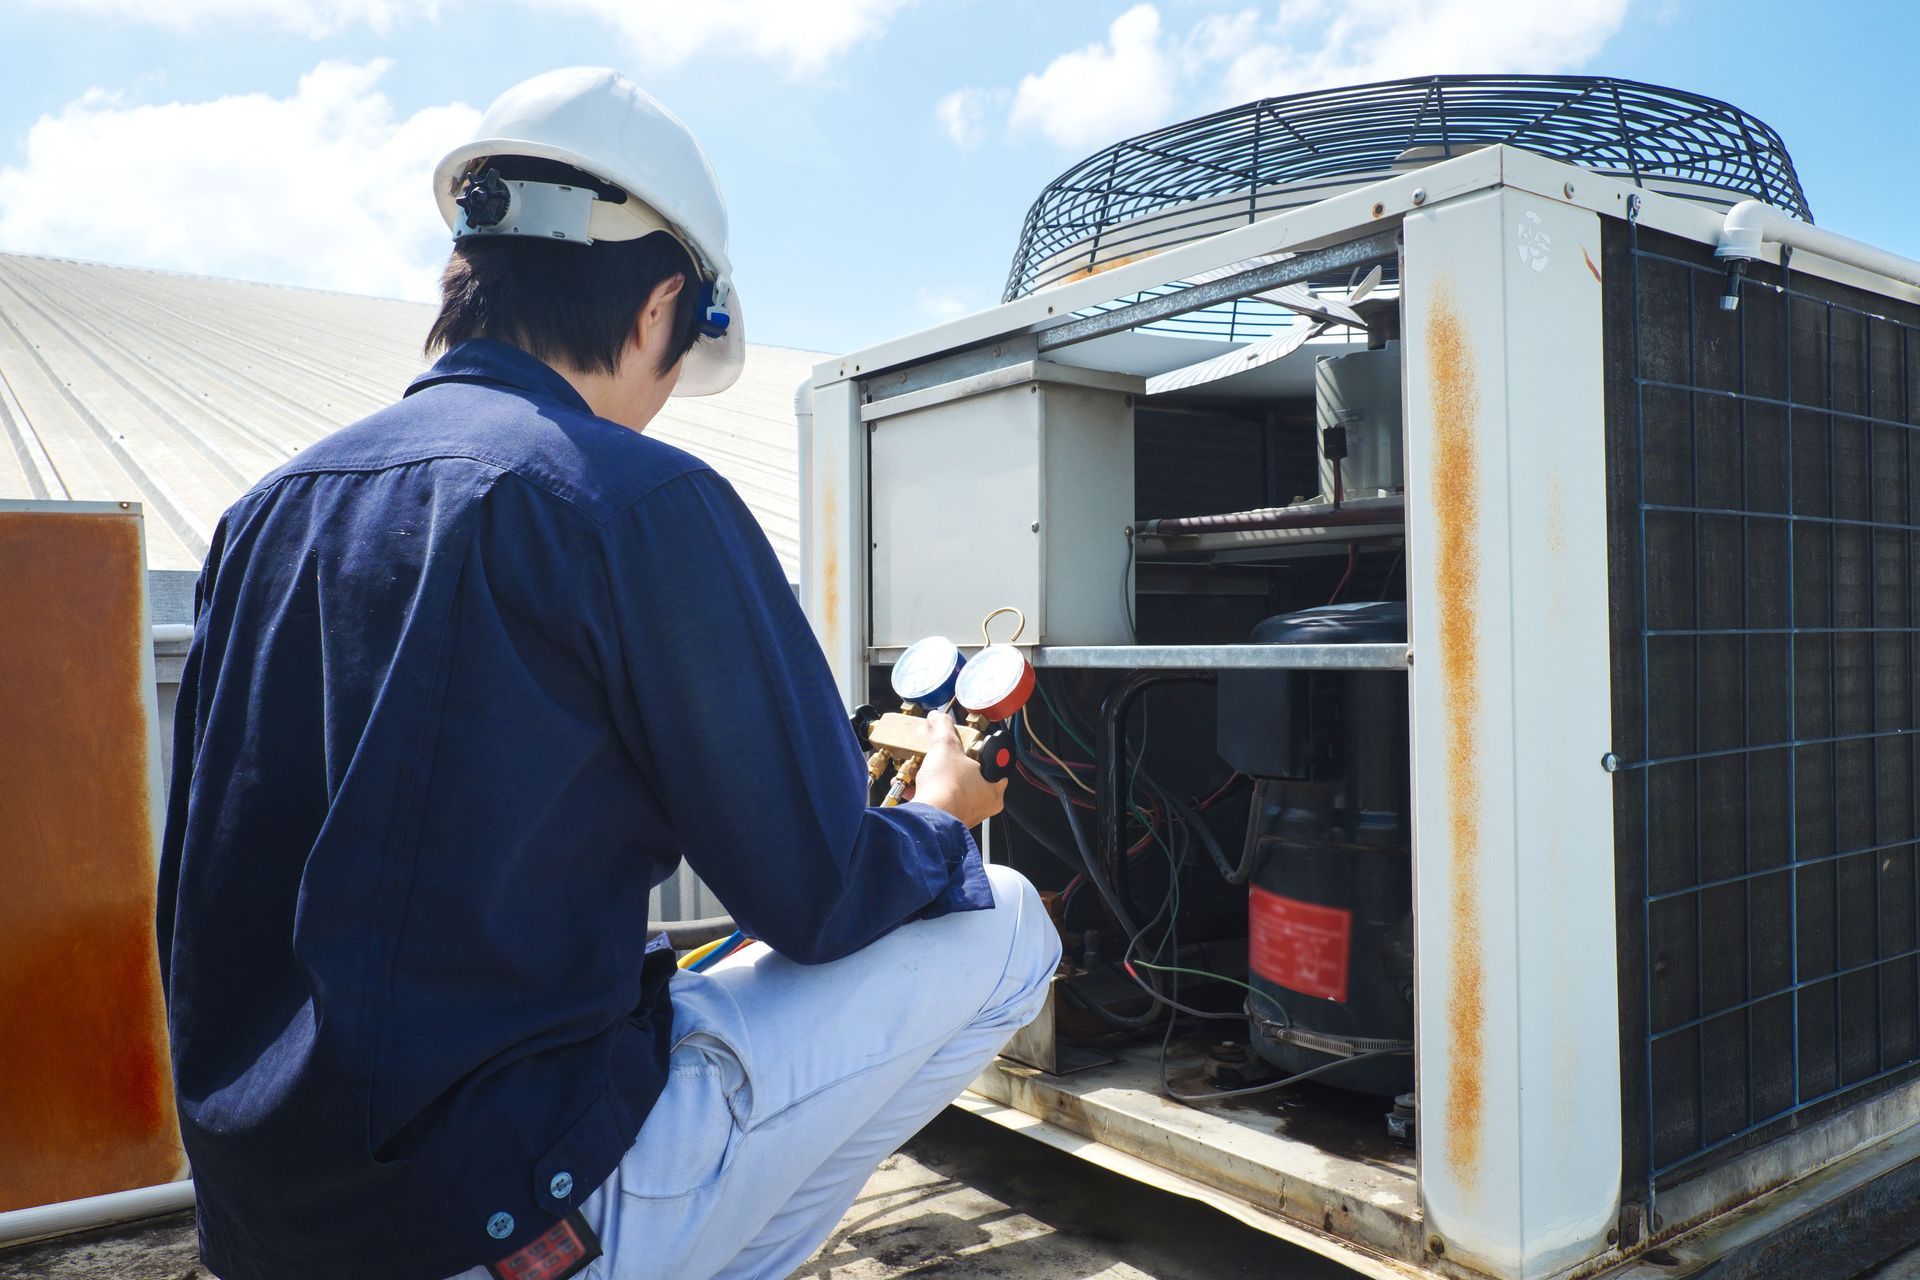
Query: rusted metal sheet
<point x="86" y="1100"/>
<point x="1455" y="490"/>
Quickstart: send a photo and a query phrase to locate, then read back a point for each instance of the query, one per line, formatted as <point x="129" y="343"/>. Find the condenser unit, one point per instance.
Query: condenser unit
<point x="1480" y="553"/>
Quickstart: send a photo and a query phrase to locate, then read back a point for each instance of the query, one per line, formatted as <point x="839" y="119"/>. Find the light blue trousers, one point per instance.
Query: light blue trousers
<point x="790" y="1083"/>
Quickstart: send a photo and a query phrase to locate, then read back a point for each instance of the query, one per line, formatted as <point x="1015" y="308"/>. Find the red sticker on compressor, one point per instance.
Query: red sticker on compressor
<point x="1302" y="946"/>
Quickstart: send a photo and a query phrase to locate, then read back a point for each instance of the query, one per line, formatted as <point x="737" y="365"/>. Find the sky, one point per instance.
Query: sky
<point x="877" y="155"/>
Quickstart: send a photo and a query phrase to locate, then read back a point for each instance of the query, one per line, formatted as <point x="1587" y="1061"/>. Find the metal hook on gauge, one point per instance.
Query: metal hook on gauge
<point x="986" y="636"/>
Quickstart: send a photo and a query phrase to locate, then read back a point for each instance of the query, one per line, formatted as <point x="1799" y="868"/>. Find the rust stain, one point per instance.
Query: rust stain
<point x="830" y="566"/>
<point x="1456" y="504"/>
<point x="1588" y="259"/>
<point x="1109" y="265"/>
<point x="86" y="1098"/>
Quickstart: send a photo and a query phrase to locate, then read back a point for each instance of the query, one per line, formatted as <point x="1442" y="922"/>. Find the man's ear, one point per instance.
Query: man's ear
<point x="660" y="307"/>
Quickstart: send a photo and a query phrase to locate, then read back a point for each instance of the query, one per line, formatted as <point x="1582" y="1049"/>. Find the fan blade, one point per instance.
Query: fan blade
<point x="1367" y="285"/>
<point x="1296" y="297"/>
<point x="1260" y="353"/>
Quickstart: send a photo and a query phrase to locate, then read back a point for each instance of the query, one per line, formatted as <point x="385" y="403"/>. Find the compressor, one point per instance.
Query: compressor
<point x="1330" y="906"/>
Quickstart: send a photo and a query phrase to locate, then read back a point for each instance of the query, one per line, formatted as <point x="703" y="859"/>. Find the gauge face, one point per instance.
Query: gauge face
<point x="996" y="682"/>
<point x="926" y="671"/>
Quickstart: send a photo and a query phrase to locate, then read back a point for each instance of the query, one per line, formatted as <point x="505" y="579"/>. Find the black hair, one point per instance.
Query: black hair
<point x="566" y="303"/>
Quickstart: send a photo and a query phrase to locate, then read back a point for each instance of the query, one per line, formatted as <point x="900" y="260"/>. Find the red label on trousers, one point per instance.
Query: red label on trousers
<point x="1303" y="946"/>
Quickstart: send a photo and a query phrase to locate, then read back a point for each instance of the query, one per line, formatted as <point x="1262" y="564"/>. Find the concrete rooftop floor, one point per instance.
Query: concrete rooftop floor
<point x="963" y="1199"/>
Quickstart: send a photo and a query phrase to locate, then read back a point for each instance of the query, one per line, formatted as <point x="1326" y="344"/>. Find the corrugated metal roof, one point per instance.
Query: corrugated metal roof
<point x="178" y="392"/>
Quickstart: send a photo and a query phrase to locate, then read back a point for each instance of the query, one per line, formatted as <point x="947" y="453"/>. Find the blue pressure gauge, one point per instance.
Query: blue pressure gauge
<point x="926" y="672"/>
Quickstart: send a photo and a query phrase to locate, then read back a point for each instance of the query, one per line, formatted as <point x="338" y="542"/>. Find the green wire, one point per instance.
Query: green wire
<point x="1063" y="726"/>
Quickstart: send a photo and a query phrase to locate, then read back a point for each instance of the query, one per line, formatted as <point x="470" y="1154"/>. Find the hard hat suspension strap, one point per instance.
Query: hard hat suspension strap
<point x="493" y="206"/>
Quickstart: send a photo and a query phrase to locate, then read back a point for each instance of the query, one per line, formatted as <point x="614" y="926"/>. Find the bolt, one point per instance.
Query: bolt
<point x="1569" y="190"/>
<point x="1378" y="208"/>
<point x="1437" y="1245"/>
<point x="1419" y="195"/>
<point x="1610" y="762"/>
<point x="1613" y="1235"/>
<point x="1035" y="526"/>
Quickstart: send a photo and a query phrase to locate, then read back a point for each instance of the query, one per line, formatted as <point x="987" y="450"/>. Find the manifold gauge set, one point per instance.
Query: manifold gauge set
<point x="987" y="689"/>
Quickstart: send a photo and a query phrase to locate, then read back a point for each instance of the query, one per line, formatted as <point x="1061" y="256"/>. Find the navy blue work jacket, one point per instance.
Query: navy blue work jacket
<point x="468" y="679"/>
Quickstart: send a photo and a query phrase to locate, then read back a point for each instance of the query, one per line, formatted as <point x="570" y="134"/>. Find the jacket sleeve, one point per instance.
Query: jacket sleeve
<point x="725" y="699"/>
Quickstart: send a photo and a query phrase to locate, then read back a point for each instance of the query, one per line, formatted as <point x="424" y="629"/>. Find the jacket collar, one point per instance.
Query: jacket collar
<point x="485" y="360"/>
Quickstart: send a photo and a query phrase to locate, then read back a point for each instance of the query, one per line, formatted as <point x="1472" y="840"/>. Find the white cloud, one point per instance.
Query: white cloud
<point x="1310" y="44"/>
<point x="314" y="19"/>
<point x="1102" y="92"/>
<point x="964" y="114"/>
<point x="938" y="306"/>
<point x="327" y="187"/>
<point x="1140" y="77"/>
<point x="805" y="35"/>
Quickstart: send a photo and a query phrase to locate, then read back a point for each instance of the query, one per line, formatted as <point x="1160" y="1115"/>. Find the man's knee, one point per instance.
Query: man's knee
<point x="1033" y="951"/>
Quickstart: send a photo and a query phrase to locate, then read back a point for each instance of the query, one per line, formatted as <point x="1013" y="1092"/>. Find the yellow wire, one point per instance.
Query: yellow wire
<point x="700" y="953"/>
<point x="1073" y="777"/>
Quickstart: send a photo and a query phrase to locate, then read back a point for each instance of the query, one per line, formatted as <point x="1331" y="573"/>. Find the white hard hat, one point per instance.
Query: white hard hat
<point x="601" y="123"/>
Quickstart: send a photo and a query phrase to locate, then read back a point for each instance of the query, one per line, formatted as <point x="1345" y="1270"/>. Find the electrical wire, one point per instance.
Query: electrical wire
<point x="1066" y="726"/>
<point x="1182" y="819"/>
<point x="1044" y="840"/>
<point x="1353" y="553"/>
<point x="1218" y="977"/>
<point x="1026" y="724"/>
<point x="695" y="956"/>
<point x="1232" y="874"/>
<point x="1299" y="1077"/>
<point x="1386" y="584"/>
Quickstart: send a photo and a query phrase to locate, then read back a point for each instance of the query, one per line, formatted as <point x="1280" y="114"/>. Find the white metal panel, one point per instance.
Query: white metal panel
<point x="956" y="516"/>
<point x="833" y="523"/>
<point x="1088" y="507"/>
<point x="1569" y="1101"/>
<point x="1015" y="495"/>
<point x="1519" y="1055"/>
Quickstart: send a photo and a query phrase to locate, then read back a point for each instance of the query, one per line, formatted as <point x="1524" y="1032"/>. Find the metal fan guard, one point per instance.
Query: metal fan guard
<point x="1200" y="177"/>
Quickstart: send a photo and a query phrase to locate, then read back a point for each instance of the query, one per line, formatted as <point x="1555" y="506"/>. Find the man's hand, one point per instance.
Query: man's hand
<point x="949" y="780"/>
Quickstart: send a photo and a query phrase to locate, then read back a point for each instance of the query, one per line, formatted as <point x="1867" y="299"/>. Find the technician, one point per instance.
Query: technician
<point x="468" y="679"/>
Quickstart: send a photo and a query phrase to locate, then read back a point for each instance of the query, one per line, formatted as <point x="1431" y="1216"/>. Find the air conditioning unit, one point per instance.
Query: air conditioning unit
<point x="1503" y="857"/>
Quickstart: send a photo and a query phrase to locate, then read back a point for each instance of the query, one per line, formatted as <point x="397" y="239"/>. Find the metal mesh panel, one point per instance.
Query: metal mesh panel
<point x="1200" y="177"/>
<point x="1764" y="490"/>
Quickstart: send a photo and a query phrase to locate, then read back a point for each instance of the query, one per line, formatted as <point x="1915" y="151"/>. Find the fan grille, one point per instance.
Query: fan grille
<point x="1200" y="177"/>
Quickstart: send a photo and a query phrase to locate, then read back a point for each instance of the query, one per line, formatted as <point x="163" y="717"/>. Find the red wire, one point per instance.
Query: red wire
<point x="1233" y="780"/>
<point x="1041" y="786"/>
<point x="1353" y="550"/>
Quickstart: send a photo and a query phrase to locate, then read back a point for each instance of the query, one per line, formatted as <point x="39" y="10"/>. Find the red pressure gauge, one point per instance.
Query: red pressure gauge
<point x="996" y="682"/>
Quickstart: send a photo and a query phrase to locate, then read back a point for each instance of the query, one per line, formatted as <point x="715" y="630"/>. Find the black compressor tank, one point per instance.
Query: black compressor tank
<point x="1330" y="909"/>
